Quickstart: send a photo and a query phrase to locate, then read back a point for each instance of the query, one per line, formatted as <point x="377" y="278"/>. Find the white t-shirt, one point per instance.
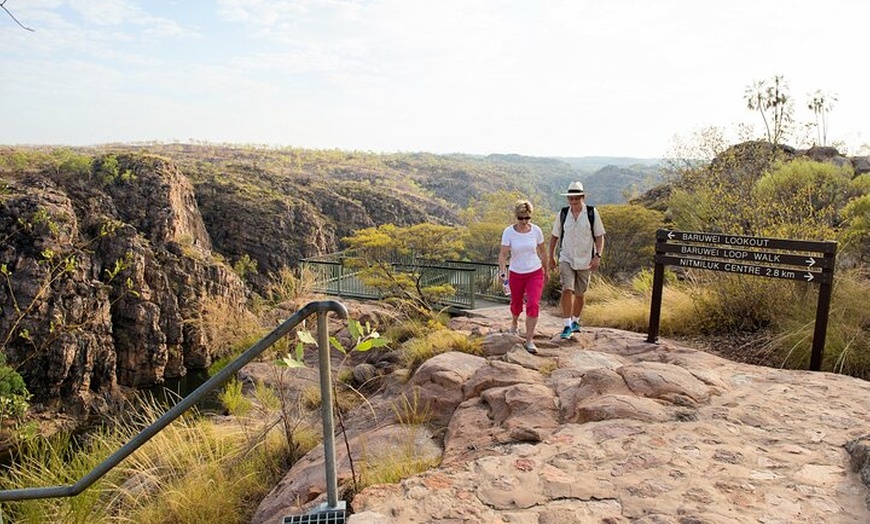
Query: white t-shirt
<point x="578" y="243"/>
<point x="524" y="254"/>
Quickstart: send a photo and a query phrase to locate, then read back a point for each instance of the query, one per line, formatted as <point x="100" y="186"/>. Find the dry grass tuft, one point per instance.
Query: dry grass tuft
<point x="418" y="350"/>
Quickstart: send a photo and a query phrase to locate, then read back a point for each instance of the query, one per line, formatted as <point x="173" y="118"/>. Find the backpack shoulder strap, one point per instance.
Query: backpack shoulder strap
<point x="563" y="214"/>
<point x="591" y="211"/>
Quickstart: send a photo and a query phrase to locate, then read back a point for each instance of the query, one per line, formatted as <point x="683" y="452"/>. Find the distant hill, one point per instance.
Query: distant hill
<point x="614" y="184"/>
<point x="608" y="180"/>
<point x="594" y="163"/>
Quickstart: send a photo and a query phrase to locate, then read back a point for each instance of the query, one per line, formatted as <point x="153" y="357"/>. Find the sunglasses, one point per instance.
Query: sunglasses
<point x="524" y="218"/>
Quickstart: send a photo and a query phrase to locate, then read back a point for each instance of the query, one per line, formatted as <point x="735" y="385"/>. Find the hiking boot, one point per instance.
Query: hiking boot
<point x="530" y="347"/>
<point x="513" y="331"/>
<point x="567" y="332"/>
<point x="575" y="327"/>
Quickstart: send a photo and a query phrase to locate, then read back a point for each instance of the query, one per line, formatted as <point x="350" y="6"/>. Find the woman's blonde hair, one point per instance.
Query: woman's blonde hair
<point x="523" y="206"/>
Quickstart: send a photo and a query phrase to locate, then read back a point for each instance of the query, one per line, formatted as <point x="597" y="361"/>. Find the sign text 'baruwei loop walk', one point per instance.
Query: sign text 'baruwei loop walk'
<point x="804" y="260"/>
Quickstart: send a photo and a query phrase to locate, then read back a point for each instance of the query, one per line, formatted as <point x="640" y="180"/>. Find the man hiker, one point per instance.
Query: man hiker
<point x="579" y="233"/>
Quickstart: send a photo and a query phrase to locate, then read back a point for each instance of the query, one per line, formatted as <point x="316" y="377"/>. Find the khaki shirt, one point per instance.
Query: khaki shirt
<point x="578" y="243"/>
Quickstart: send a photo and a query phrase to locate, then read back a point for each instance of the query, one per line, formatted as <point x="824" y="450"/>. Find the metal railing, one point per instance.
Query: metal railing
<point x="321" y="308"/>
<point x="333" y="275"/>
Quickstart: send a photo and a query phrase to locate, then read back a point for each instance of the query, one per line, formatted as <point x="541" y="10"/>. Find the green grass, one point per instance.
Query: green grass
<point x="191" y="472"/>
<point x="234" y="400"/>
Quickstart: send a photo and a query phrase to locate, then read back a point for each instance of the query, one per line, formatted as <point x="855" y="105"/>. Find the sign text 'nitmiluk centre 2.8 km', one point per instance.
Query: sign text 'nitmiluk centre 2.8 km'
<point x="805" y="260"/>
<point x="717" y="252"/>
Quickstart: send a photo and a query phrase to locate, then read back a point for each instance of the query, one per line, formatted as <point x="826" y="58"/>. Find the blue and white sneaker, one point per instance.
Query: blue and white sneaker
<point x="567" y="332"/>
<point x="575" y="327"/>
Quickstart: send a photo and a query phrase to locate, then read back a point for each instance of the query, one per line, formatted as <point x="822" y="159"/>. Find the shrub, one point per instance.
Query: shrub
<point x="855" y="236"/>
<point x="234" y="400"/>
<point x="14" y="397"/>
<point x="400" y="332"/>
<point x="631" y="238"/>
<point x="736" y="303"/>
<point x="418" y="350"/>
<point x="286" y="285"/>
<point x="244" y="266"/>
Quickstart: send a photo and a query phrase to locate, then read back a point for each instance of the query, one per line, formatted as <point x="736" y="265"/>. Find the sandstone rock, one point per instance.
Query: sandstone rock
<point x="527" y="412"/>
<point x="498" y="374"/>
<point x="664" y="381"/>
<point x="112" y="274"/>
<point x="610" y="406"/>
<point x="440" y="380"/>
<point x="497" y="344"/>
<point x="861" y="164"/>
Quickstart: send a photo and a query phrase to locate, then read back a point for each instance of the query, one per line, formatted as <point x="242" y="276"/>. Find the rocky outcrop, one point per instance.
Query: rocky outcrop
<point x="607" y="428"/>
<point x="106" y="272"/>
<point x="747" y="161"/>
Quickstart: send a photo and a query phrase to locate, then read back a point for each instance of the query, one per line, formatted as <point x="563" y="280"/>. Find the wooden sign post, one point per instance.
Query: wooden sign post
<point x="808" y="261"/>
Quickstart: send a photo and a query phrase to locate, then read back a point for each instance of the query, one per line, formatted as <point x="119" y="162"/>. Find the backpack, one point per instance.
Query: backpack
<point x="563" y="214"/>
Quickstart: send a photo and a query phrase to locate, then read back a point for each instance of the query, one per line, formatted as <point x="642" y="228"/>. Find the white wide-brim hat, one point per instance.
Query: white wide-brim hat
<point x="575" y="189"/>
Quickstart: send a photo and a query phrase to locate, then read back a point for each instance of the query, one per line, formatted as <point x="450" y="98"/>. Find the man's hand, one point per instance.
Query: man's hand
<point x="596" y="261"/>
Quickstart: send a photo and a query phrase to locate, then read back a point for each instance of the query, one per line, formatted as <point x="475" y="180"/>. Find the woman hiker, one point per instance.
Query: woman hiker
<point x="523" y="244"/>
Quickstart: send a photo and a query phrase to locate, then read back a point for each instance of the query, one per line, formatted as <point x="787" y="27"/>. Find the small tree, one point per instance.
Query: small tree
<point x="821" y="105"/>
<point x="774" y="104"/>
<point x="391" y="259"/>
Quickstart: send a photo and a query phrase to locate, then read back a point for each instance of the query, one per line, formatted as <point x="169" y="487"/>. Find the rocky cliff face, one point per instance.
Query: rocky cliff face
<point x="104" y="275"/>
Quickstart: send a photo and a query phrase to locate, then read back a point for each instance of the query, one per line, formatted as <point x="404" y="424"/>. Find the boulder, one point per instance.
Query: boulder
<point x="439" y="381"/>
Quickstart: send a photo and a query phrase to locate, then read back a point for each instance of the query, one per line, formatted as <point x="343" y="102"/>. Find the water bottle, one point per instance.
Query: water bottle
<point x="504" y="281"/>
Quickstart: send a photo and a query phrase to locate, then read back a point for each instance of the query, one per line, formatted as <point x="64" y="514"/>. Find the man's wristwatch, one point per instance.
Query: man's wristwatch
<point x="597" y="255"/>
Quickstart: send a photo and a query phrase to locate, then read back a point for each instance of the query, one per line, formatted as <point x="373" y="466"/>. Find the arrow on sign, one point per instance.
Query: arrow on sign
<point x="811" y="261"/>
<point x="809" y="277"/>
<point x="670" y="235"/>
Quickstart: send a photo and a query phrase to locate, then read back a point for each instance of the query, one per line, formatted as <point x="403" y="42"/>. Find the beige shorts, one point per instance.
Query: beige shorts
<point x="577" y="280"/>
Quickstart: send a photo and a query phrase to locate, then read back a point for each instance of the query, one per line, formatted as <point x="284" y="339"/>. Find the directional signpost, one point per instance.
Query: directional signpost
<point x="807" y="261"/>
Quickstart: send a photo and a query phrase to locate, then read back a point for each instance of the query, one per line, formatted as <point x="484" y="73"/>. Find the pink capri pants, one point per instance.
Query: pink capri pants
<point x="530" y="286"/>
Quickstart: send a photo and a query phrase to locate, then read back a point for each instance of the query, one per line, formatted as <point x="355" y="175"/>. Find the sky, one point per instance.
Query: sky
<point x="562" y="78"/>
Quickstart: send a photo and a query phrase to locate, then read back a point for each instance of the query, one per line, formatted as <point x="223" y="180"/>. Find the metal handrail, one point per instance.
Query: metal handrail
<point x="321" y="307"/>
<point x="470" y="279"/>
